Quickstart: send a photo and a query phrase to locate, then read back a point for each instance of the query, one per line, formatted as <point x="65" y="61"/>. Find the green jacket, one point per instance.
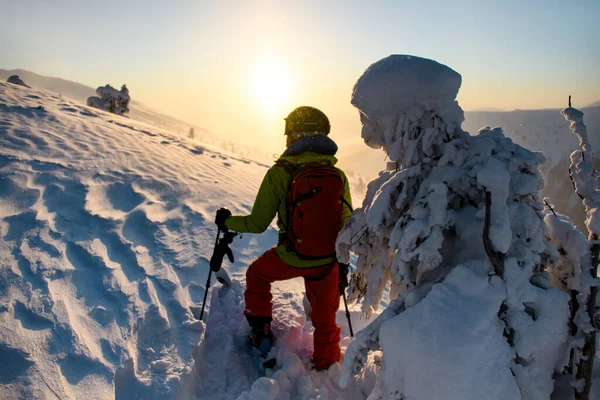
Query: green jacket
<point x="271" y="200"/>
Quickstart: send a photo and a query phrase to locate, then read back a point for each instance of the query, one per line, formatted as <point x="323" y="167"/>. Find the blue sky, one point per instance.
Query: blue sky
<point x="195" y="59"/>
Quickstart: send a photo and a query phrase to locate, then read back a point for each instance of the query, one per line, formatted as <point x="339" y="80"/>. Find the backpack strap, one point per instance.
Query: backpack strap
<point x="289" y="167"/>
<point x="292" y="169"/>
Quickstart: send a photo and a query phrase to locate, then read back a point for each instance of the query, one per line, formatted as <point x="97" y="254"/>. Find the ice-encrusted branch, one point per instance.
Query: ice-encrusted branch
<point x="496" y="257"/>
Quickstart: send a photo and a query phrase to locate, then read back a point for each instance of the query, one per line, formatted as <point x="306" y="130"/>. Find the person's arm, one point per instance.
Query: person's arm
<point x="263" y="211"/>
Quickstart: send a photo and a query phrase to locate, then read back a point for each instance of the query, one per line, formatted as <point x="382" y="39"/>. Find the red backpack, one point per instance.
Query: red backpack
<point x="314" y="210"/>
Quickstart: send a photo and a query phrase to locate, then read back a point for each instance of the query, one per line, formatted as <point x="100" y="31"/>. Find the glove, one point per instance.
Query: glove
<point x="343" y="278"/>
<point x="222" y="215"/>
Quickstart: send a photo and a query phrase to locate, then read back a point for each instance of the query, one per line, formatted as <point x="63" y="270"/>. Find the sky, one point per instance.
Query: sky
<point x="237" y="68"/>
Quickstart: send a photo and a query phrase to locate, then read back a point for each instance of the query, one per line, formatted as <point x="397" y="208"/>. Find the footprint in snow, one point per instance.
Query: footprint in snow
<point x="75" y="367"/>
<point x="123" y="197"/>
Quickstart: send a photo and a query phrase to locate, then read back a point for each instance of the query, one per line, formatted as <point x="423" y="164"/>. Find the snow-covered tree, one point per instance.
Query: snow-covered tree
<point x="577" y="270"/>
<point x="455" y="229"/>
<point x="111" y="100"/>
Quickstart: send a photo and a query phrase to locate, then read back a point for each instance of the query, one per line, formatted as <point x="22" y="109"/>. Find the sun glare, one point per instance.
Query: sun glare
<point x="271" y="84"/>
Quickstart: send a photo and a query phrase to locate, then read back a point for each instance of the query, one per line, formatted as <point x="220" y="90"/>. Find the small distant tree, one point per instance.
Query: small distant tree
<point x="191" y="134"/>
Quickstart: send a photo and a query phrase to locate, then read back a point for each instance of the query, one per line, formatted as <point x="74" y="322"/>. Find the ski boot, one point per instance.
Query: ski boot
<point x="261" y="338"/>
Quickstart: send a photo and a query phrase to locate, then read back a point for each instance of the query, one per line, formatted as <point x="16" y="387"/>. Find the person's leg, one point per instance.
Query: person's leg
<point x="324" y="296"/>
<point x="265" y="270"/>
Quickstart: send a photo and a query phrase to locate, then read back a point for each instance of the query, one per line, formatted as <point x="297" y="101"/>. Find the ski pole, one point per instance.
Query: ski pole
<point x="343" y="284"/>
<point x="348" y="314"/>
<point x="346" y="271"/>
<point x="209" y="276"/>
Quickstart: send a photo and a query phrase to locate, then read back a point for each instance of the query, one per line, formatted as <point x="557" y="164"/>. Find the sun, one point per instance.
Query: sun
<point x="271" y="84"/>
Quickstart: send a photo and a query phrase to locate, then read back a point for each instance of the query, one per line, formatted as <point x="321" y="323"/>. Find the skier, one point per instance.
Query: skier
<point x="312" y="200"/>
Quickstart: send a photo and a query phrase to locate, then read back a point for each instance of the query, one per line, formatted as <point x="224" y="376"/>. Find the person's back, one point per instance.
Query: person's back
<point x="311" y="198"/>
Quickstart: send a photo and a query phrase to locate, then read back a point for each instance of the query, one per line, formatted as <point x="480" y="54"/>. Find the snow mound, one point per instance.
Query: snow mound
<point x="15" y="80"/>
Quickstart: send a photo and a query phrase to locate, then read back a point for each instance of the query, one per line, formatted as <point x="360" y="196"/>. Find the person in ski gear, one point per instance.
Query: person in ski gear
<point x="311" y="198"/>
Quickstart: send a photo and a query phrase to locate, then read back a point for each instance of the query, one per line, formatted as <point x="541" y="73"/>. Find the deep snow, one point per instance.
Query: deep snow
<point x="106" y="229"/>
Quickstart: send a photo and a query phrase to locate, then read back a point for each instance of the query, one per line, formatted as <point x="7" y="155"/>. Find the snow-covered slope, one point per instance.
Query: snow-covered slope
<point x="106" y="228"/>
<point x="138" y="111"/>
<point x="79" y="92"/>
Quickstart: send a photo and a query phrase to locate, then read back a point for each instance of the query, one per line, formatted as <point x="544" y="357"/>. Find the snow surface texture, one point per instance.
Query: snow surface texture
<point x="15" y="80"/>
<point x="111" y="100"/>
<point x="106" y="229"/>
<point x="420" y="231"/>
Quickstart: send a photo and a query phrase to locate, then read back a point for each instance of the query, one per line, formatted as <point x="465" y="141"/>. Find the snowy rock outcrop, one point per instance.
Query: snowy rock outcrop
<point x="455" y="230"/>
<point x="111" y="100"/>
<point x="15" y="80"/>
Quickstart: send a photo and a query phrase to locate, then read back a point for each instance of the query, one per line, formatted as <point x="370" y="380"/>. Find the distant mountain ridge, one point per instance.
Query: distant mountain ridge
<point x="72" y="89"/>
<point x="596" y="104"/>
<point x="543" y="130"/>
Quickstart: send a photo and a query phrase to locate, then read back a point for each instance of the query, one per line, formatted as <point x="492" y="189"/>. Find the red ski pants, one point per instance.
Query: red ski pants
<point x="321" y="285"/>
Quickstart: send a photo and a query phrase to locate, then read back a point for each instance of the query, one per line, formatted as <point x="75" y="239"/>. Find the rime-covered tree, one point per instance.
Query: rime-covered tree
<point x="456" y="232"/>
<point x="576" y="272"/>
<point x="111" y="100"/>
